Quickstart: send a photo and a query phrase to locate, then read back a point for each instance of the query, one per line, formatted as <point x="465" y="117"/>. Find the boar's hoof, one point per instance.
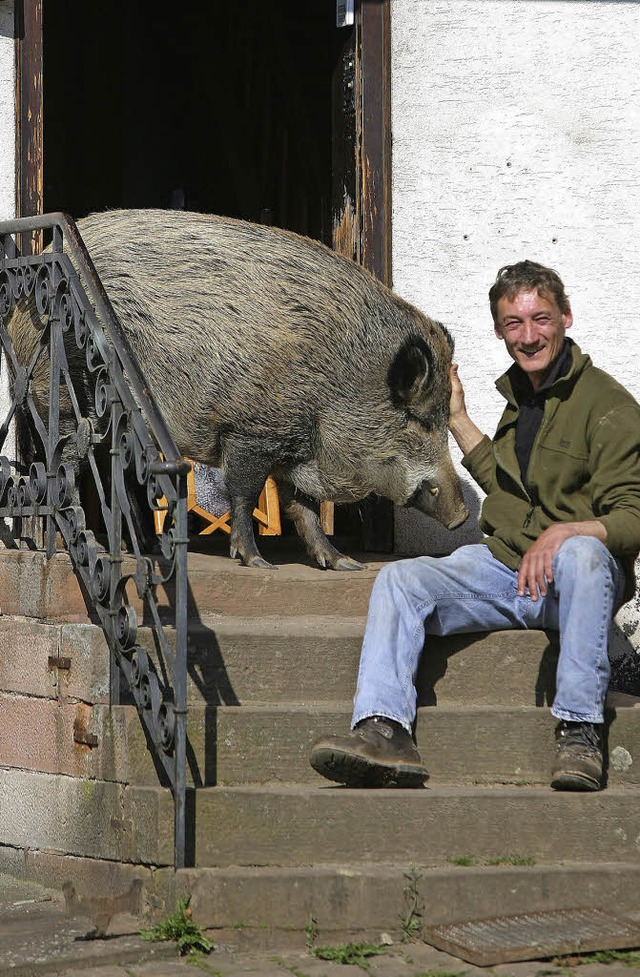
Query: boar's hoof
<point x="346" y="563"/>
<point x="329" y="558"/>
<point x="339" y="562"/>
<point x="259" y="562"/>
<point x="253" y="560"/>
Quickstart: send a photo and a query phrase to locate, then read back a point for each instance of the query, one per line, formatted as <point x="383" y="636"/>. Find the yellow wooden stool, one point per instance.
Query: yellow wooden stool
<point x="266" y="513"/>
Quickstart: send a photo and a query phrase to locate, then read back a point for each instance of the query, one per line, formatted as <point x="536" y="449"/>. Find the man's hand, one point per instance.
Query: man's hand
<point x="457" y="406"/>
<point x="465" y="432"/>
<point x="536" y="569"/>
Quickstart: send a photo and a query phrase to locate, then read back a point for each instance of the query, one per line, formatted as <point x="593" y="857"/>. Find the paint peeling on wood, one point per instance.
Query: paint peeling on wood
<point x="369" y="201"/>
<point x="345" y="229"/>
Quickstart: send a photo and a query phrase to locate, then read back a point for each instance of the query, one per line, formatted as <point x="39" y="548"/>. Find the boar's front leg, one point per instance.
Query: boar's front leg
<point x="244" y="479"/>
<point x="301" y="510"/>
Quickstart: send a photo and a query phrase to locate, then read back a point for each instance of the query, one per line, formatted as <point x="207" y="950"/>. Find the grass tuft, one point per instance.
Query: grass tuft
<point x="514" y="858"/>
<point x="180" y="928"/>
<point x="349" y="953"/>
<point x="411" y="919"/>
<point x="463" y="860"/>
<point x="630" y="958"/>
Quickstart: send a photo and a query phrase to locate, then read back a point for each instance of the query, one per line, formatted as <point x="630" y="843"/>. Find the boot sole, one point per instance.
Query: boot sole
<point x="573" y="780"/>
<point x="357" y="771"/>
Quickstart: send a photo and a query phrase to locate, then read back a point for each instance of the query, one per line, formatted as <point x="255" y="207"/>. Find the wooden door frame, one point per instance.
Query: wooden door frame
<point x="29" y="108"/>
<point x="375" y="127"/>
<point x="361" y="199"/>
<point x="361" y="152"/>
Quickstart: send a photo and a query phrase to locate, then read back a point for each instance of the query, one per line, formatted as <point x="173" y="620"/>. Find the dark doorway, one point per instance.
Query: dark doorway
<point x="222" y="108"/>
<point x="263" y="111"/>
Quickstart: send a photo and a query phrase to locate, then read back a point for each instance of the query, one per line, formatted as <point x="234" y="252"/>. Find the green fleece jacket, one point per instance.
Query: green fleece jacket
<point x="585" y="464"/>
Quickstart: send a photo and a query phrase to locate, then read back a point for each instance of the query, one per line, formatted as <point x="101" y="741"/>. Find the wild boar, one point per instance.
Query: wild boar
<point x="270" y="354"/>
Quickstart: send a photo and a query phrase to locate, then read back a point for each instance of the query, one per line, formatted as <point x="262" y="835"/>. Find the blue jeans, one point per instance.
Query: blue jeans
<point x="472" y="591"/>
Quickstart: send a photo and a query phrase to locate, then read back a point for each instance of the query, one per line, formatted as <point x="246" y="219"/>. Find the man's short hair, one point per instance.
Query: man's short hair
<point x="527" y="276"/>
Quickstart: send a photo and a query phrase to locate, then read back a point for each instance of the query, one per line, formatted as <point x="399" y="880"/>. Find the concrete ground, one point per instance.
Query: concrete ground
<point x="38" y="938"/>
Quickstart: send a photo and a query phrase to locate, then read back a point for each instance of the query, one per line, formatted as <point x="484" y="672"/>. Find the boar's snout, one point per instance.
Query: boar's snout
<point x="461" y="516"/>
<point x="443" y="500"/>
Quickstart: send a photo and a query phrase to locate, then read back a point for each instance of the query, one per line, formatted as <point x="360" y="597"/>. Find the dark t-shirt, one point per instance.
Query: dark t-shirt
<point x="531" y="403"/>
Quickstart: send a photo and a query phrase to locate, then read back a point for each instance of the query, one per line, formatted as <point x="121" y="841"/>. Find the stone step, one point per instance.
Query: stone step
<point x="261" y="744"/>
<point x="32" y="586"/>
<point x="288" y="826"/>
<point x="273" y="907"/>
<point x="296" y="587"/>
<point x="459" y="744"/>
<point x="237" y="660"/>
<point x="361" y="902"/>
<point x="299" y="825"/>
<point x="294" y="658"/>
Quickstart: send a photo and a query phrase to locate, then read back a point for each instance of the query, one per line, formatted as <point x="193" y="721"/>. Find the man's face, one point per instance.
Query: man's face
<point x="533" y="328"/>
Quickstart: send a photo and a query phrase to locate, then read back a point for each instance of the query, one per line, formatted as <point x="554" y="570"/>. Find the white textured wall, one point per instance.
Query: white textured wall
<point x="516" y="133"/>
<point x="7" y="112"/>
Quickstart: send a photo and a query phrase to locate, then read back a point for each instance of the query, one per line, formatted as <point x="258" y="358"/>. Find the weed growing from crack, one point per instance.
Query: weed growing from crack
<point x="349" y="953"/>
<point x="630" y="958"/>
<point x="180" y="928"/>
<point x="411" y="920"/>
<point x="311" y="930"/>
<point x="464" y="860"/>
<point x="513" y="859"/>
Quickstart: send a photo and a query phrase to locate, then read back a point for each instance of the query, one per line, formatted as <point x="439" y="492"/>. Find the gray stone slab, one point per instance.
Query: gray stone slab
<point x="86" y="817"/>
<point x="374" y="898"/>
<point x="290" y="825"/>
<point x="459" y="744"/>
<point x="314" y="658"/>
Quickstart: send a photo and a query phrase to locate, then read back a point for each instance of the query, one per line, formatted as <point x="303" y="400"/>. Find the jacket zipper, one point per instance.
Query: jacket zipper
<point x="530" y="495"/>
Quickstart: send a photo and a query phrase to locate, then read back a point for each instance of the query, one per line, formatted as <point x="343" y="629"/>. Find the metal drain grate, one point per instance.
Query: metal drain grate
<point x="529" y="936"/>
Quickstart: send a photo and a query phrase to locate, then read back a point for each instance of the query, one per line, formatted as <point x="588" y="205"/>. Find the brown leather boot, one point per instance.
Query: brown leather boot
<point x="578" y="763"/>
<point x="377" y="753"/>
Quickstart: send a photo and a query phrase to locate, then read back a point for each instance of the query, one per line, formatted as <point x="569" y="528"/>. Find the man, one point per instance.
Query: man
<point x="561" y="520"/>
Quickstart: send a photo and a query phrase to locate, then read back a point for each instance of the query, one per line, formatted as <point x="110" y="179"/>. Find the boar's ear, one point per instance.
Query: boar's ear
<point x="409" y="375"/>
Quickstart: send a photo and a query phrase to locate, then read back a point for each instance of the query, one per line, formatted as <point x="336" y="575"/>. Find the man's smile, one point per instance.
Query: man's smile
<point x="533" y="328"/>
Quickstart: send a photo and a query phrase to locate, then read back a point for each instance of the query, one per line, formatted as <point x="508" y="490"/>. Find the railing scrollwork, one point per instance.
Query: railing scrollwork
<point x="101" y="426"/>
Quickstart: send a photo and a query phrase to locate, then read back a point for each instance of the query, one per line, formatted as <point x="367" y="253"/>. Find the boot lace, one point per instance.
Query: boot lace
<point x="586" y="735"/>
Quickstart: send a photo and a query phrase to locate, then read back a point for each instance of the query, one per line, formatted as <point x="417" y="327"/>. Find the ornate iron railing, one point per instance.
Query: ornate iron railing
<point x="123" y="423"/>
